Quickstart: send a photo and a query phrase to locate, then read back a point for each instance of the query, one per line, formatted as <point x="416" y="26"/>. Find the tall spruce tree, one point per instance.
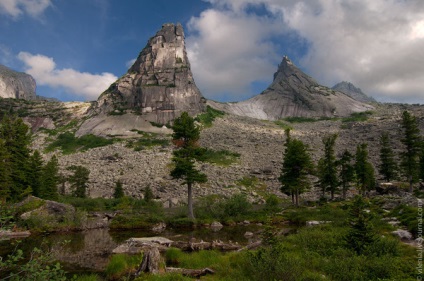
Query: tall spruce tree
<point x="388" y="167"/>
<point x="35" y="173"/>
<point x="16" y="138"/>
<point x="5" y="172"/>
<point x="363" y="169"/>
<point x="297" y="166"/>
<point x="50" y="179"/>
<point x="412" y="143"/>
<point x="79" y="180"/>
<point x="346" y="171"/>
<point x="185" y="137"/>
<point x="327" y="167"/>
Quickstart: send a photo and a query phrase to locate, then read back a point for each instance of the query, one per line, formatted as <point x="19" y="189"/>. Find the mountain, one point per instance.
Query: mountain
<point x="16" y="85"/>
<point x="293" y="93"/>
<point x="353" y="92"/>
<point x="159" y="85"/>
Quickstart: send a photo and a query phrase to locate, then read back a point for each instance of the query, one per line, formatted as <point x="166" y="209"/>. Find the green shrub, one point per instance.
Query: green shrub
<point x="68" y="143"/>
<point x="358" y="117"/>
<point x="121" y="265"/>
<point x="207" y="118"/>
<point x="408" y="216"/>
<point x="283" y="125"/>
<point x="220" y="157"/>
<point x="236" y="206"/>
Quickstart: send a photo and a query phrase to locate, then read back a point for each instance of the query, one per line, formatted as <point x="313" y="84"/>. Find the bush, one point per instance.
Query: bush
<point x="220" y="158"/>
<point x="207" y="118"/>
<point x="68" y="143"/>
<point x="358" y="117"/>
<point x="236" y="206"/>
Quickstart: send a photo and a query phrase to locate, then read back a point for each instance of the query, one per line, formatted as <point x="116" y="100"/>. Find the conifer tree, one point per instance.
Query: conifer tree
<point x="5" y="172"/>
<point x="297" y="166"/>
<point x="327" y="168"/>
<point x="346" y="171"/>
<point x="35" y="173"/>
<point x="363" y="169"/>
<point x="186" y="136"/>
<point x="388" y="167"/>
<point x="412" y="142"/>
<point x="79" y="180"/>
<point x="422" y="162"/>
<point x="50" y="179"/>
<point x="119" y="190"/>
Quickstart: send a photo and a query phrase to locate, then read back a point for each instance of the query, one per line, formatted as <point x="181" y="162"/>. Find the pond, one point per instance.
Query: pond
<point x="89" y="251"/>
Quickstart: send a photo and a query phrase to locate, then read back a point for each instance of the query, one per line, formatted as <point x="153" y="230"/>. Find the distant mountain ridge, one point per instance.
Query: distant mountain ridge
<point x="353" y="92"/>
<point x="16" y="85"/>
<point x="294" y="93"/>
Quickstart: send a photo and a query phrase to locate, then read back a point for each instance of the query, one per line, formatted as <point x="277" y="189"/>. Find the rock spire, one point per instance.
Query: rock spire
<point x="16" y="85"/>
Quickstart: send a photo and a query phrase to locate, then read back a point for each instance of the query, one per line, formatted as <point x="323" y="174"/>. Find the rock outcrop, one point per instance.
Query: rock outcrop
<point x="293" y="93"/>
<point x="353" y="92"/>
<point x="159" y="85"/>
<point x="16" y="85"/>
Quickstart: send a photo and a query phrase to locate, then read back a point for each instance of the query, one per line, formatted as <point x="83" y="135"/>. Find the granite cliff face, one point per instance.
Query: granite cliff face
<point x="159" y="85"/>
<point x="293" y="93"/>
<point x="16" y="85"/>
<point x="353" y="92"/>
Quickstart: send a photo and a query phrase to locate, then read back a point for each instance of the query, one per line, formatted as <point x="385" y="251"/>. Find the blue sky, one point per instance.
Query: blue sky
<point x="76" y="49"/>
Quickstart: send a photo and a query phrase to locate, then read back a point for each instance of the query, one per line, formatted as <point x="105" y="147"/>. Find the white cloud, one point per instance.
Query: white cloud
<point x="82" y="84"/>
<point x="16" y="8"/>
<point x="376" y="44"/>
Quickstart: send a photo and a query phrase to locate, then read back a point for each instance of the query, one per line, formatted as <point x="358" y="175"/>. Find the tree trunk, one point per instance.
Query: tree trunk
<point x="190" y="201"/>
<point x="297" y="198"/>
<point x="411" y="186"/>
<point x="292" y="196"/>
<point x="150" y="262"/>
<point x="344" y="192"/>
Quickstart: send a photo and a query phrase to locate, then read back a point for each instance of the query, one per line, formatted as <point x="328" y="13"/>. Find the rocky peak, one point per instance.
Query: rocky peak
<point x="16" y="85"/>
<point x="294" y="93"/>
<point x="352" y="91"/>
<point x="160" y="84"/>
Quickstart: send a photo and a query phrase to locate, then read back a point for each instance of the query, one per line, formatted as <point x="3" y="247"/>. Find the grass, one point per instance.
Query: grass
<point x="121" y="265"/>
<point x="209" y="116"/>
<point x="358" y="117"/>
<point x="68" y="143"/>
<point x="283" y="125"/>
<point x="148" y="140"/>
<point x="220" y="157"/>
<point x="306" y="119"/>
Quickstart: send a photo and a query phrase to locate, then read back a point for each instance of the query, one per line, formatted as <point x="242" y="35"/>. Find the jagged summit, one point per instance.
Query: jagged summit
<point x="353" y="92"/>
<point x="159" y="85"/>
<point x="16" y="85"/>
<point x="293" y="93"/>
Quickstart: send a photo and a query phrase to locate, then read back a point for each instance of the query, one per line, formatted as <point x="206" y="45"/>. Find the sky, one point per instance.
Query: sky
<point x="76" y="49"/>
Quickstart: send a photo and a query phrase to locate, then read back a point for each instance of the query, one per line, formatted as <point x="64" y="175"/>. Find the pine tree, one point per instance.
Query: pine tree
<point x="346" y="171"/>
<point x="50" y="179"/>
<point x="79" y="181"/>
<point x="363" y="169"/>
<point x="327" y="168"/>
<point x="361" y="233"/>
<point x="185" y="137"/>
<point x="412" y="142"/>
<point x="5" y="172"/>
<point x="297" y="166"/>
<point x="35" y="173"/>
<point x="388" y="167"/>
<point x="119" y="190"/>
<point x="16" y="137"/>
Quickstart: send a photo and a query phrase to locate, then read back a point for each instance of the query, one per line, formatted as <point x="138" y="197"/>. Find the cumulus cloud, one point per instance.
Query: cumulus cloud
<point x="16" y="8"/>
<point x="376" y="44"/>
<point x="82" y="84"/>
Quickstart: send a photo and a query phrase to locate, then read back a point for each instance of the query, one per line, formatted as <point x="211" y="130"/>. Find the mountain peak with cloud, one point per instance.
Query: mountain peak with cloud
<point x="294" y="93"/>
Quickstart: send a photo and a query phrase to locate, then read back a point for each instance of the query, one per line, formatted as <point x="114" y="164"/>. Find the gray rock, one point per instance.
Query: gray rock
<point x="16" y="85"/>
<point x="293" y="93"/>
<point x="159" y="85"/>
<point x="402" y="234"/>
<point x="353" y="92"/>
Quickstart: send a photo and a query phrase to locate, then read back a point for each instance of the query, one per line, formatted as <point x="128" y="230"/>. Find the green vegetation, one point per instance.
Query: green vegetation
<point x="283" y="125"/>
<point x="68" y="143"/>
<point x="388" y="165"/>
<point x="327" y="166"/>
<point x="358" y="117"/>
<point x="207" y="118"/>
<point x="147" y="140"/>
<point x="220" y="157"/>
<point x="121" y="266"/>
<point x="71" y="126"/>
<point x="364" y="170"/>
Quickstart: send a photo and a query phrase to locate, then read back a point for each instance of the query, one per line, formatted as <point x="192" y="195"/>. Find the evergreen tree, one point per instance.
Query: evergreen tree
<point x="346" y="171"/>
<point x="327" y="167"/>
<point x="297" y="165"/>
<point x="422" y="162"/>
<point x="185" y="137"/>
<point x="363" y="169"/>
<point x="50" y="179"/>
<point x="119" y="190"/>
<point x="412" y="142"/>
<point x="148" y="194"/>
<point x="79" y="181"/>
<point x="388" y="167"/>
<point x="5" y="172"/>
<point x="16" y="138"/>
<point x="361" y="233"/>
<point x="35" y="173"/>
